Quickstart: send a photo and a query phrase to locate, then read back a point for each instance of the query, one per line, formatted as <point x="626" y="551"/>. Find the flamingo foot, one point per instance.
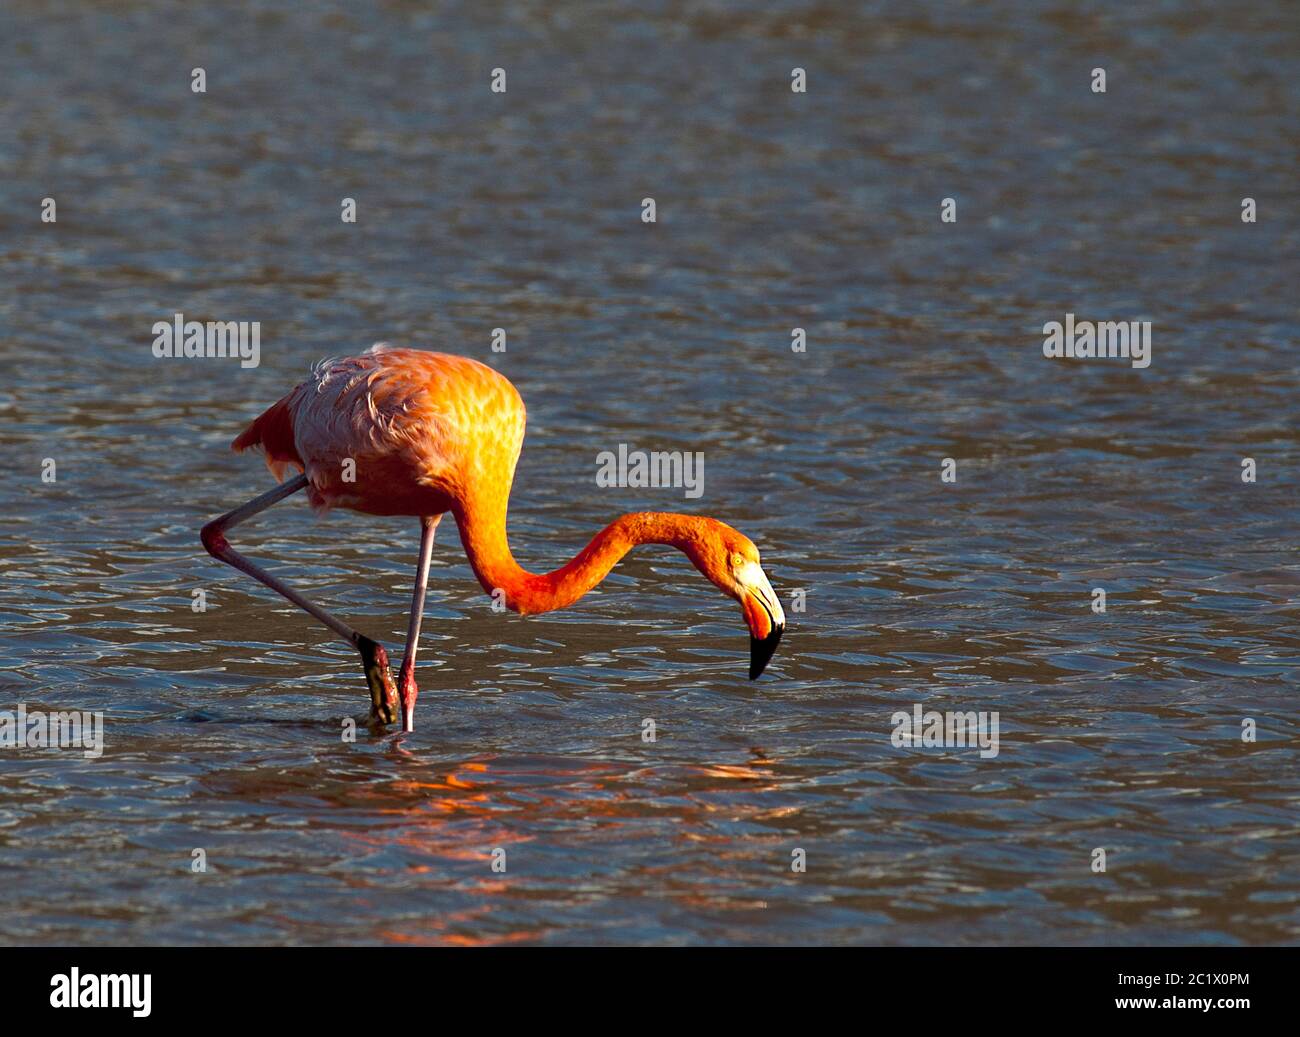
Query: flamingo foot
<point x="383" y="692"/>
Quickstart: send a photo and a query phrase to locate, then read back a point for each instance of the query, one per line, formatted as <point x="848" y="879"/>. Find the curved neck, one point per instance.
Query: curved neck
<point x="482" y="527"/>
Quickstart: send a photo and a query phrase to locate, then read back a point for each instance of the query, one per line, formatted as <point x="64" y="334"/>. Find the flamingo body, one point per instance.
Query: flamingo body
<point x="408" y="432"/>
<point x="421" y="429"/>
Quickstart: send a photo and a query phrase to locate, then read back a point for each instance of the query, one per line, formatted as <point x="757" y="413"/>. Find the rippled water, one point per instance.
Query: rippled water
<point x="775" y="210"/>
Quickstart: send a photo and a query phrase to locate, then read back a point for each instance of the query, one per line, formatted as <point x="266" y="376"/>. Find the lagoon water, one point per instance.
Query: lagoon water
<point x="1120" y="730"/>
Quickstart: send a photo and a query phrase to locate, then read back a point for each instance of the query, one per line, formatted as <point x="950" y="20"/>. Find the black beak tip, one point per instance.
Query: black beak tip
<point x="761" y="651"/>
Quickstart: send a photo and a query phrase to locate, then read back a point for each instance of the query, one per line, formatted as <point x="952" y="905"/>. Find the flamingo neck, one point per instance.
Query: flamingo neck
<point x="483" y="534"/>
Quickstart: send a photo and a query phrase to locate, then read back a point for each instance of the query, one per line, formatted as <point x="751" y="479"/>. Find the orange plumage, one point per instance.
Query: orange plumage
<point x="421" y="430"/>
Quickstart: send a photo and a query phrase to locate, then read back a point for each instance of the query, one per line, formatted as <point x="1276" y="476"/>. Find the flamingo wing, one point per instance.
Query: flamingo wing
<point x="394" y="431"/>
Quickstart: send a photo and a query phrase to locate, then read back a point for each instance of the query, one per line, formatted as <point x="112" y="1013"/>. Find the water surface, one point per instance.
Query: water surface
<point x="775" y="210"/>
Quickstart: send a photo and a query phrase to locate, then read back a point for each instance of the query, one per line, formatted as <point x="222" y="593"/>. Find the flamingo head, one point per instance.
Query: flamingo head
<point x="730" y="560"/>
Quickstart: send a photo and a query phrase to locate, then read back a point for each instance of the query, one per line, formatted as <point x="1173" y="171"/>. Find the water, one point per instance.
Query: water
<point x="775" y="210"/>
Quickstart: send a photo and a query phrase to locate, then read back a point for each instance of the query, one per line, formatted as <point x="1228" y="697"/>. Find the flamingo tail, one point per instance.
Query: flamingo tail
<point x="272" y="431"/>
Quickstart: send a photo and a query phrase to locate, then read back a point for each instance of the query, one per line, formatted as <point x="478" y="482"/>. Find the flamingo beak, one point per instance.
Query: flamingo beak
<point x="763" y="614"/>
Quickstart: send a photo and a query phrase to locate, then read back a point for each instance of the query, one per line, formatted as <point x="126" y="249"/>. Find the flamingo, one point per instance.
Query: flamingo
<point x="410" y="432"/>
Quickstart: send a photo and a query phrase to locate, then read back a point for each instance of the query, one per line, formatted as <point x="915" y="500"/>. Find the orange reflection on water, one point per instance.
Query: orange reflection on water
<point x="459" y="816"/>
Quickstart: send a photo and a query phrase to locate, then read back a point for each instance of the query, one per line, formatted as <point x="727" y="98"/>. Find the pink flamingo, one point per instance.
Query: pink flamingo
<point x="407" y="432"/>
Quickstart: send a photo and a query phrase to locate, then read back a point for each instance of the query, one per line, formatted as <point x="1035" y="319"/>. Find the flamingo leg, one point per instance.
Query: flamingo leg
<point x="383" y="693"/>
<point x="406" y="679"/>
